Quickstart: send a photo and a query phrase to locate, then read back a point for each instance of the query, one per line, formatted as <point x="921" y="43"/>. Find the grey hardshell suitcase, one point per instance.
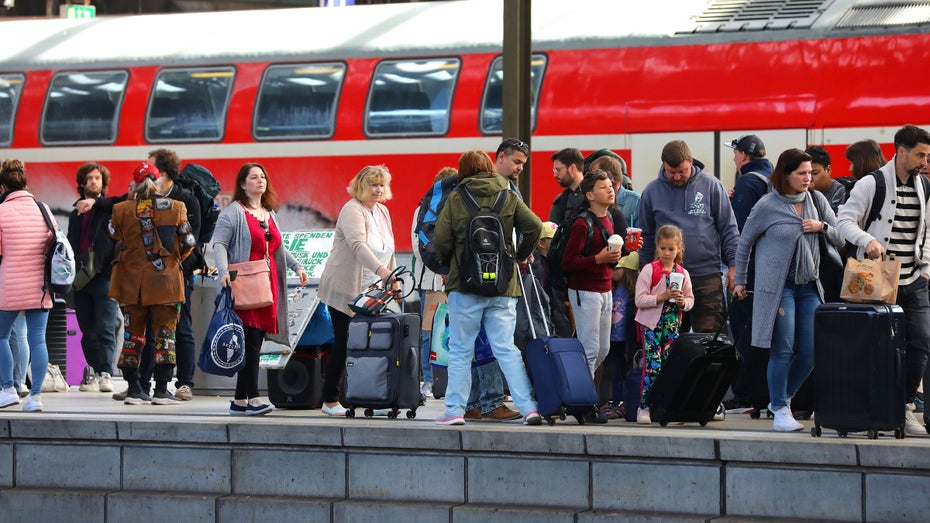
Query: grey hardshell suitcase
<point x="382" y="360"/>
<point x="859" y="362"/>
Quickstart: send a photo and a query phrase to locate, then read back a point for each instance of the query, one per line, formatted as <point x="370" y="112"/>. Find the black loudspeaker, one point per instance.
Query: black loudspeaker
<point x="299" y="385"/>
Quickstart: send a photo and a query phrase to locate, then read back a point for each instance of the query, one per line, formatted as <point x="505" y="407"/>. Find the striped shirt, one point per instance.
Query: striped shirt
<point x="904" y="229"/>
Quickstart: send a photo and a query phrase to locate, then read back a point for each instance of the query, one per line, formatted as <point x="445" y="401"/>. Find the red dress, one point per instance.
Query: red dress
<point x="264" y="319"/>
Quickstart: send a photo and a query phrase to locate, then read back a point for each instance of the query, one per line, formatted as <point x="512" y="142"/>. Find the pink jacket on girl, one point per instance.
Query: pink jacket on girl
<point x="23" y="239"/>
<point x="648" y="311"/>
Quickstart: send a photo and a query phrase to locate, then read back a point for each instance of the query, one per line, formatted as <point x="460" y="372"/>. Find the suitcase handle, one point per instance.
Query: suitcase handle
<point x="526" y="302"/>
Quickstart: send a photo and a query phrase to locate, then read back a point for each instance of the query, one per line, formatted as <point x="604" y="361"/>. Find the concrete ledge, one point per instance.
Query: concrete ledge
<point x="354" y="511"/>
<point x="529" y="482"/>
<point x="491" y="514"/>
<point x="421" y="477"/>
<point x="5" y="428"/>
<point x="170" y="468"/>
<point x="633" y="517"/>
<point x="257" y="509"/>
<point x="44" y="428"/>
<point x="648" y="487"/>
<point x="377" y="434"/>
<point x="48" y="465"/>
<point x="316" y="474"/>
<point x="794" y="493"/>
<point x="658" y="446"/>
<point x="897" y="497"/>
<point x="73" y="506"/>
<point x="265" y="434"/>
<point x="159" y="506"/>
<point x="893" y="455"/>
<point x="523" y="440"/>
<point x="815" y="451"/>
<point x="6" y="465"/>
<point x="163" y="430"/>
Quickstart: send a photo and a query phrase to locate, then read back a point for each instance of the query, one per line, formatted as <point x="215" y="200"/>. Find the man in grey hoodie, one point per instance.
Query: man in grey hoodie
<point x="695" y="201"/>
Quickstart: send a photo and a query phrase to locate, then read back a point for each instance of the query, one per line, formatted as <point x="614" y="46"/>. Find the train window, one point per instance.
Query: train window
<point x="411" y="97"/>
<point x="189" y="105"/>
<point x="298" y="101"/>
<point x="83" y="107"/>
<point x="11" y="85"/>
<point x="492" y="106"/>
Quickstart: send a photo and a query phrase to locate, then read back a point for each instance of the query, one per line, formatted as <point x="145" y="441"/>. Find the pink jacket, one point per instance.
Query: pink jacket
<point x="23" y="238"/>
<point x="648" y="311"/>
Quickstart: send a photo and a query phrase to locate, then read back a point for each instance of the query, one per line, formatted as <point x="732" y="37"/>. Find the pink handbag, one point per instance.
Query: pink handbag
<point x="251" y="285"/>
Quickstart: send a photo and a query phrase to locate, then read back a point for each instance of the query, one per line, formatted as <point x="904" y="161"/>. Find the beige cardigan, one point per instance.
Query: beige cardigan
<point x="342" y="276"/>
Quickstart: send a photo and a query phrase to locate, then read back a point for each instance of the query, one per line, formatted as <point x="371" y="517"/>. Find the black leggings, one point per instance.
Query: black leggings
<point x="336" y="364"/>
<point x="247" y="377"/>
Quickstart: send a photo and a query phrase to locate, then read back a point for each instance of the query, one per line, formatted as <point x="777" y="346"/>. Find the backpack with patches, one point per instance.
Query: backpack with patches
<point x="59" y="260"/>
<point x="430" y="206"/>
<point x="487" y="264"/>
<point x="200" y="181"/>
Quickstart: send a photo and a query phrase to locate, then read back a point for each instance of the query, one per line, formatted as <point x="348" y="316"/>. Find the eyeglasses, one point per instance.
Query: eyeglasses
<point x="264" y="225"/>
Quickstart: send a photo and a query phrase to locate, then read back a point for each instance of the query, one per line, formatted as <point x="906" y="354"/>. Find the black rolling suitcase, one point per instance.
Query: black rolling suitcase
<point x="382" y="364"/>
<point x="859" y="357"/>
<point x="693" y="380"/>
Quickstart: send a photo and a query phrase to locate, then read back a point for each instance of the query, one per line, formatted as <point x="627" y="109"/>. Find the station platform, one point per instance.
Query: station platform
<point x="90" y="458"/>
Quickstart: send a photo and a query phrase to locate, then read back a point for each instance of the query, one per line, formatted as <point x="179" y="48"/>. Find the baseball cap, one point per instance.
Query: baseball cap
<point x="630" y="261"/>
<point x="749" y="144"/>
<point x="143" y="171"/>
<point x="548" y="230"/>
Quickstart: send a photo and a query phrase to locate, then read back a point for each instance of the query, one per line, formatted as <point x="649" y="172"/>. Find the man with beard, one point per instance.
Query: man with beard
<point x="96" y="313"/>
<point x="697" y="203"/>
<point x="904" y="235"/>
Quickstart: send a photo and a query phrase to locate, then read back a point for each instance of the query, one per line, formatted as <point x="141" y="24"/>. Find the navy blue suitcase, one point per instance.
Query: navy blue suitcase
<point x="561" y="378"/>
<point x="859" y="359"/>
<point x="559" y="372"/>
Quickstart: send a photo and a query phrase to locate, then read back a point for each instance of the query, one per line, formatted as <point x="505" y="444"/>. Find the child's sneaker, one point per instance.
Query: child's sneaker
<point x="643" y="416"/>
<point x="450" y="420"/>
<point x="533" y="418"/>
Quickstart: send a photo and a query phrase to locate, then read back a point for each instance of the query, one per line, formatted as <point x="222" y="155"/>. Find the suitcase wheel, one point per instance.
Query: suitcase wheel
<point x="815" y="431"/>
<point x="412" y="413"/>
<point x="350" y="413"/>
<point x="842" y="433"/>
<point x="392" y="414"/>
<point x="663" y="423"/>
<point x="550" y="420"/>
<point x="754" y="414"/>
<point x="898" y="433"/>
<point x="580" y="418"/>
<point x="369" y="413"/>
<point x="872" y="434"/>
<point x="703" y="423"/>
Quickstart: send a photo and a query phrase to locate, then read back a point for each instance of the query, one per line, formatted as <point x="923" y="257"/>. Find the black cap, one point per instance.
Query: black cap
<point x="749" y="144"/>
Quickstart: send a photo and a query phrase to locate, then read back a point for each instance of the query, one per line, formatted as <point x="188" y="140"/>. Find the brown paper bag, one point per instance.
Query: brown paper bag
<point x="433" y="298"/>
<point x="870" y="281"/>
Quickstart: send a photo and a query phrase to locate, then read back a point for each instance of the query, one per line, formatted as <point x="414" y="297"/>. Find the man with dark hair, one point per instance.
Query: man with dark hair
<point x="823" y="177"/>
<point x="696" y="202"/>
<point x="905" y="236"/>
<point x="94" y="250"/>
<point x="509" y="161"/>
<point x="567" y="167"/>
<point x="169" y="164"/>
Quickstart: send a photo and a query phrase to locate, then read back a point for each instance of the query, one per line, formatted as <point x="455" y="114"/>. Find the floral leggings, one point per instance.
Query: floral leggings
<point x="657" y="342"/>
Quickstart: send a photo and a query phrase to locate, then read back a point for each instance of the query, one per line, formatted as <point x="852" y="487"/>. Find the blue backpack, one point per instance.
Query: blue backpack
<point x="430" y="207"/>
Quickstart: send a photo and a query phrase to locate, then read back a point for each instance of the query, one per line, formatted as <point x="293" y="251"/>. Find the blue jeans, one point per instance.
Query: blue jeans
<point x="20" y="350"/>
<point x="97" y="315"/>
<point x="36" y="320"/>
<point x="425" y="345"/>
<point x="794" y="329"/>
<point x="487" y="387"/>
<point x="467" y="313"/>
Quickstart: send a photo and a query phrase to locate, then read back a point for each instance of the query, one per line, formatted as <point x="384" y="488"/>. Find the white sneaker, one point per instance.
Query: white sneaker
<point x="912" y="427"/>
<point x="33" y="403"/>
<point x="721" y="413"/>
<point x="89" y="383"/>
<point x="337" y="410"/>
<point x="8" y="396"/>
<point x="104" y="383"/>
<point x="426" y="390"/>
<point x="643" y="416"/>
<point x="785" y="422"/>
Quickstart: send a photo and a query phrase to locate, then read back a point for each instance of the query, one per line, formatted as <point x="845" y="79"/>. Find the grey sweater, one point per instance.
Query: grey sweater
<point x="232" y="243"/>
<point x="774" y="228"/>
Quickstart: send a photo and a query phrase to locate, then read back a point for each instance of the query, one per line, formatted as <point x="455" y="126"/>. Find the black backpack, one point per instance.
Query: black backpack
<point x="487" y="265"/>
<point x="200" y="181"/>
<point x="430" y="206"/>
<point x="558" y="279"/>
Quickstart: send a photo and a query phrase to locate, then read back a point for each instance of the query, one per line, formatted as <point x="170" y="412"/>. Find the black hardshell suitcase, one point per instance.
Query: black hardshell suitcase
<point x="693" y="380"/>
<point x="382" y="364"/>
<point x="859" y="357"/>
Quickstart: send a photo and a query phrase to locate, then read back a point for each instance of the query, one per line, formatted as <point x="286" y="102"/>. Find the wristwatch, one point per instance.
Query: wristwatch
<point x="824" y="227"/>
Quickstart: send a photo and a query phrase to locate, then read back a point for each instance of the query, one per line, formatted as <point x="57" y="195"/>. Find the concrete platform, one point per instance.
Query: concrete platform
<point x="89" y="458"/>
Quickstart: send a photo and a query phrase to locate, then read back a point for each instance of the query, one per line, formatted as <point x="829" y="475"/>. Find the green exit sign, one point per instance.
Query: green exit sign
<point x="78" y="11"/>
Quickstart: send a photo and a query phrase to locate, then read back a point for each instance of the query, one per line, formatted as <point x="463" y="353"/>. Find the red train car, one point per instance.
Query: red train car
<point x="315" y="94"/>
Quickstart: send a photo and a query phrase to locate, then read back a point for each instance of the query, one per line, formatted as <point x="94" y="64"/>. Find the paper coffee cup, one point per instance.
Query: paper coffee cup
<point x="676" y="280"/>
<point x="633" y="235"/>
<point x="615" y="242"/>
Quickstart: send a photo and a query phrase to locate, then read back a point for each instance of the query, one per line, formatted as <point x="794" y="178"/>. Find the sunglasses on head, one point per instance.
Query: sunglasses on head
<point x="513" y="143"/>
<point x="264" y="225"/>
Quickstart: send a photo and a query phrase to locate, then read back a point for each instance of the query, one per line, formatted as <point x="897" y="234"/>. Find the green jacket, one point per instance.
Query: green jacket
<point x="452" y="224"/>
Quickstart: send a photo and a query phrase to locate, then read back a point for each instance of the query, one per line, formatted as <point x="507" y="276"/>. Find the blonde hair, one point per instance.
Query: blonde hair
<point x="670" y="232"/>
<point x="144" y="189"/>
<point x="370" y="174"/>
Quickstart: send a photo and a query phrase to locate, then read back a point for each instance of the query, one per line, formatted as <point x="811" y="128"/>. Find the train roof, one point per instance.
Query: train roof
<point x="433" y="28"/>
